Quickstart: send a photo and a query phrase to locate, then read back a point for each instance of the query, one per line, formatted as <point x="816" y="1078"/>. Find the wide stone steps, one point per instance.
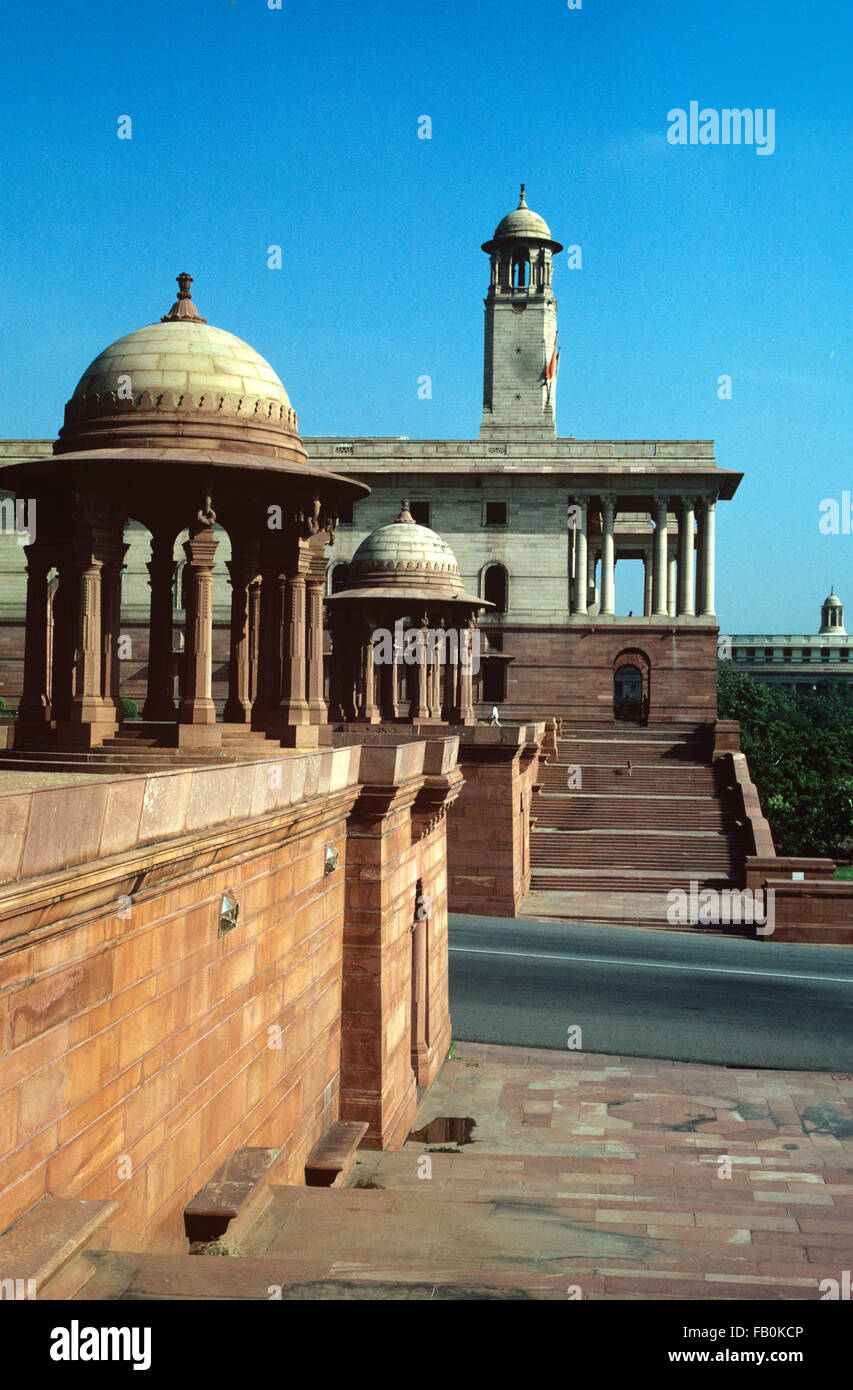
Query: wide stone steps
<point x="575" y="811"/>
<point x="632" y="809"/>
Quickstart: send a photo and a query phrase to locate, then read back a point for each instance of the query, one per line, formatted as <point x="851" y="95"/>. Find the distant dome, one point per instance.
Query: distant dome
<point x="832" y="616"/>
<point x="523" y="222"/>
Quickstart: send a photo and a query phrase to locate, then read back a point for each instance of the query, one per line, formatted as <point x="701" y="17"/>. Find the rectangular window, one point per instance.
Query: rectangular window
<point x="345" y="513"/>
<point x="420" y="511"/>
<point x="495" y="514"/>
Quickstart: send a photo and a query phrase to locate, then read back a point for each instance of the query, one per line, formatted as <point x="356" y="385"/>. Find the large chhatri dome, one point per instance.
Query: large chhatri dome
<point x="182" y="377"/>
<point x="183" y="356"/>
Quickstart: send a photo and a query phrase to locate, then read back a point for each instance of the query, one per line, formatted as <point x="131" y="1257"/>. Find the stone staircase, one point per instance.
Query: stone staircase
<point x="633" y="809"/>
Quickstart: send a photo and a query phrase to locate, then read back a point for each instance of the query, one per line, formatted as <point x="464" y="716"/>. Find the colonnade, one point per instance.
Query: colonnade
<point x="669" y="588"/>
<point x="71" y="659"/>
<point x="372" y="655"/>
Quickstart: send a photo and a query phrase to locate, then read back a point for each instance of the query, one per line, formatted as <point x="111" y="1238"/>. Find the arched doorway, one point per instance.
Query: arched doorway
<point x="631" y="671"/>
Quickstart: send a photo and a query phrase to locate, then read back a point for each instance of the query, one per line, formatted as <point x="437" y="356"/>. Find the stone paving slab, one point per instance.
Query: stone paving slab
<point x="586" y="1177"/>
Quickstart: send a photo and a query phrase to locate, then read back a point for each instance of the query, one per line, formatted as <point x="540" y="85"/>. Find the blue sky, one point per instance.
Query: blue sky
<point x="254" y="126"/>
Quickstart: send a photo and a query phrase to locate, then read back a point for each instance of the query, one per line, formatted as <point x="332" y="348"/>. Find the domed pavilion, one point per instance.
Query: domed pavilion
<point x="404" y="631"/>
<point x="178" y="425"/>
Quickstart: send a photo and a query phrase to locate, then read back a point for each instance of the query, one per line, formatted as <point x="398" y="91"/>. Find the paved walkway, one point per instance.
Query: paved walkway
<point x="586" y="1177"/>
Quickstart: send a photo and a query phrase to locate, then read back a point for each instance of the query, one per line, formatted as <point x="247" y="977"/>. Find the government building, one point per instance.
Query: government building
<point x="537" y="521"/>
<point x="793" y="660"/>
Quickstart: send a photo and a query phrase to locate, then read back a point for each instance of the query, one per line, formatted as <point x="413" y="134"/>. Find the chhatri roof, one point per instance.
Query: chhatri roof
<point x="406" y="560"/>
<point x="523" y="222"/>
<point x="182" y="353"/>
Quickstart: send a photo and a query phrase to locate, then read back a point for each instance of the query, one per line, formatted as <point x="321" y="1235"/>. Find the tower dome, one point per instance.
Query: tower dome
<point x="522" y="223"/>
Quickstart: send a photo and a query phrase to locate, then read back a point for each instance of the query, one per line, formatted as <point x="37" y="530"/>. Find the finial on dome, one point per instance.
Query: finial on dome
<point x="522" y="201"/>
<point x="183" y="307"/>
<point x="405" y="514"/>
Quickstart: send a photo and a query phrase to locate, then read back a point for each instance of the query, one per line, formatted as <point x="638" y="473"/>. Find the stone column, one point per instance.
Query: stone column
<point x="254" y="637"/>
<point x="706" y="590"/>
<point x="243" y="569"/>
<point x="608" y="507"/>
<point x="34" y="706"/>
<point x="159" y="703"/>
<point x="317" y="712"/>
<point x="659" y="604"/>
<point x="466" y="704"/>
<point x="579" y="597"/>
<point x="86" y="702"/>
<point x="672" y="584"/>
<point x="293" y="707"/>
<point x="685" y="557"/>
<point x="197" y="706"/>
<point x="647" y="585"/>
<point x="423" y="703"/>
<point x="369" y="708"/>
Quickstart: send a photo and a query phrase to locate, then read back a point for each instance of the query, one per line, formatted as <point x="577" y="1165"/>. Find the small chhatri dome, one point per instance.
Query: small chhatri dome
<point x="405" y="560"/>
<point x="405" y="545"/>
<point x="524" y="222"/>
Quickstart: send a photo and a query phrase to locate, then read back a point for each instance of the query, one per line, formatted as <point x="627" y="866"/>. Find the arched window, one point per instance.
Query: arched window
<point x="495" y="586"/>
<point x="520" y="268"/>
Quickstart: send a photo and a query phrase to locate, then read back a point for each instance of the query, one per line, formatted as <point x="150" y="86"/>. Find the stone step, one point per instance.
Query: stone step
<point x="43" y="1243"/>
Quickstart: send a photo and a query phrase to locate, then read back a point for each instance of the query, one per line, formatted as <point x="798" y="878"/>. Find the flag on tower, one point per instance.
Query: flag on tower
<point x="551" y="368"/>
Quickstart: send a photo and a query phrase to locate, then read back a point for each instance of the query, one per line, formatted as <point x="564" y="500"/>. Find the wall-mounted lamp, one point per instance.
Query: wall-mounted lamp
<point x="330" y="860"/>
<point x="229" y="912"/>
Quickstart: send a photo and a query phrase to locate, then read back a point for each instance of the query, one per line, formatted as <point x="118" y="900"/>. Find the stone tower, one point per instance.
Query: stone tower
<point x="519" y="371"/>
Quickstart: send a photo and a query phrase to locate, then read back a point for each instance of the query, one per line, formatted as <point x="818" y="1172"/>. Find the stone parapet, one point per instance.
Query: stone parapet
<point x="197" y="961"/>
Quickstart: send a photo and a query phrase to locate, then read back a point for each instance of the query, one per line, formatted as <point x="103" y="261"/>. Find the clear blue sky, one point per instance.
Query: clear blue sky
<point x="298" y="127"/>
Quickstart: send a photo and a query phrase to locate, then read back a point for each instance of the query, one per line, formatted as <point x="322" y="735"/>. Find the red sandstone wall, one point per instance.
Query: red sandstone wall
<point x="146" y="1037"/>
<point x="489" y="828"/>
<point x="569" y="671"/>
<point x="397" y="839"/>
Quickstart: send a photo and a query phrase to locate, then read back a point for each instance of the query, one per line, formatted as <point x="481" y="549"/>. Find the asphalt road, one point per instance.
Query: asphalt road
<point x="652" y="994"/>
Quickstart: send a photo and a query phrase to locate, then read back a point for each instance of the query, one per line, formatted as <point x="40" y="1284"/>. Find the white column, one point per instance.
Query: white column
<point x="608" y="504"/>
<point x="659" y="575"/>
<point x="686" y="522"/>
<point x="706" y="591"/>
<point x="579" y="604"/>
<point x="647" y="585"/>
<point x="672" y="584"/>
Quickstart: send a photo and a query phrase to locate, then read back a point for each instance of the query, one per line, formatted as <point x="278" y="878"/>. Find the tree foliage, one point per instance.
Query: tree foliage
<point x="800" y="754"/>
